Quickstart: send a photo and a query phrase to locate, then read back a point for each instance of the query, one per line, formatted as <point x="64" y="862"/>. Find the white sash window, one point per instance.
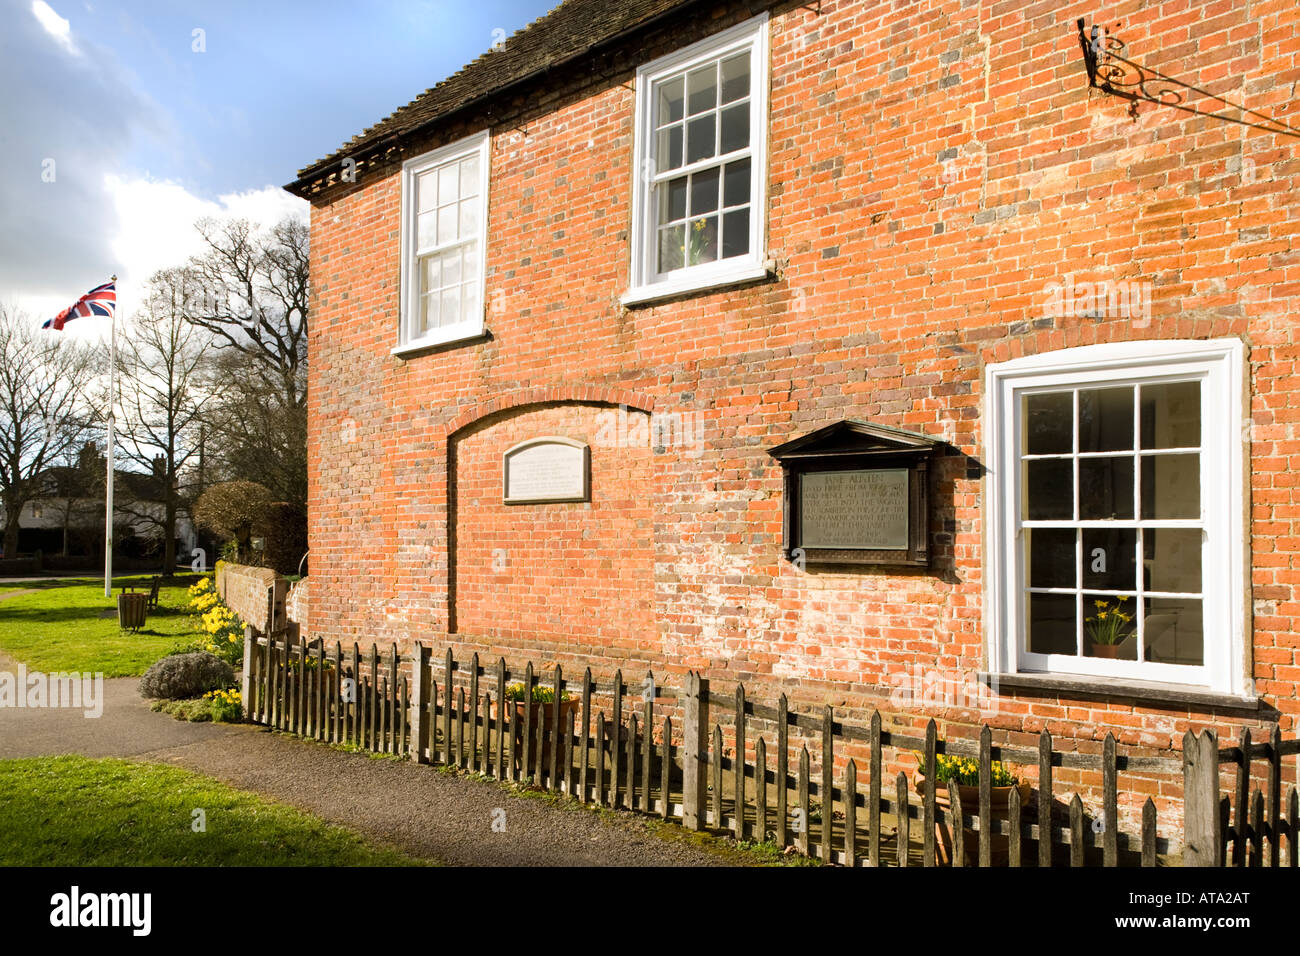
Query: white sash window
<point x="1116" y="513"/>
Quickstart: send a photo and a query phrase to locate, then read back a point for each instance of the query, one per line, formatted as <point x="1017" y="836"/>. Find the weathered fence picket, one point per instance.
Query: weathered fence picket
<point x="398" y="704"/>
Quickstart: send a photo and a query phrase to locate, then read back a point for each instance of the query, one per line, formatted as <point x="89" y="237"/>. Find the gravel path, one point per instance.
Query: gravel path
<point x="445" y="817"/>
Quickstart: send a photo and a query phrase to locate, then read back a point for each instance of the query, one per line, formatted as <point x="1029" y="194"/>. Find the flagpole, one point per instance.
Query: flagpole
<point x="108" y="503"/>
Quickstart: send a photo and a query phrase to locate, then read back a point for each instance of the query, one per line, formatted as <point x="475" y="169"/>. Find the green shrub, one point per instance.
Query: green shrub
<point x="197" y="710"/>
<point x="181" y="676"/>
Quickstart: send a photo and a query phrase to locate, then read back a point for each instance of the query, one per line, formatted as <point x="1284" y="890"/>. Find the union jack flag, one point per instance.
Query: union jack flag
<point x="100" y="300"/>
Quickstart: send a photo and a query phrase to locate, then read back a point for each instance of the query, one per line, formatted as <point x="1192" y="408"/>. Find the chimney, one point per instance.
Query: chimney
<point x="159" y="466"/>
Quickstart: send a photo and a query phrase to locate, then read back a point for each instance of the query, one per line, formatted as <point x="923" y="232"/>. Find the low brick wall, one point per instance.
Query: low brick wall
<point x="255" y="594"/>
<point x="297" y="608"/>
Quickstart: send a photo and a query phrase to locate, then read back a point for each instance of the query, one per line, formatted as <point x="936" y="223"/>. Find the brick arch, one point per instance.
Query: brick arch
<point x="548" y="394"/>
<point x="568" y="571"/>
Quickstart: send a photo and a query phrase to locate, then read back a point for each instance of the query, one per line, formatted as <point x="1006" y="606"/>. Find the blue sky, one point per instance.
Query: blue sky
<point x="120" y="124"/>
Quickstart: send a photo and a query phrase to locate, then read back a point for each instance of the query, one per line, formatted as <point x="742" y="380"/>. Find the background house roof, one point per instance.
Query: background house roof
<point x="570" y="31"/>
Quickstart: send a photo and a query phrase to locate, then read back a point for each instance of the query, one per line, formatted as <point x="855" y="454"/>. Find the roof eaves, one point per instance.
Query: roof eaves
<point x="316" y="172"/>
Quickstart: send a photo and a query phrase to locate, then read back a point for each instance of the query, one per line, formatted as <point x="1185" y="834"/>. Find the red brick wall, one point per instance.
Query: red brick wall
<point x="933" y="167"/>
<point x="570" y="574"/>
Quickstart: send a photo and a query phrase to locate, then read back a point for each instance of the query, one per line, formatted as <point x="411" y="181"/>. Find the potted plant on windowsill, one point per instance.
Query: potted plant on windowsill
<point x="965" y="773"/>
<point x="1108" y="628"/>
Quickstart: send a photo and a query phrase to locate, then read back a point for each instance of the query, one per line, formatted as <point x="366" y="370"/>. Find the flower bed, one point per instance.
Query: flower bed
<point x="222" y="628"/>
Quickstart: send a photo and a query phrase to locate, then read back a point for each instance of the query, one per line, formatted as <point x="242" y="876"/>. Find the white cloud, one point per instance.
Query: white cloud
<point x="155" y="230"/>
<point x="55" y="25"/>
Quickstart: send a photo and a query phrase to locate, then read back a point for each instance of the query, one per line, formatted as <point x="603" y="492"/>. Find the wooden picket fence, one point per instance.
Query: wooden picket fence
<point x="655" y="750"/>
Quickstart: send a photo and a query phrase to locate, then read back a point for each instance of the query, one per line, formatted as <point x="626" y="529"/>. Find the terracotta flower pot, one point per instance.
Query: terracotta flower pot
<point x="999" y="799"/>
<point x="543" y="713"/>
<point x="1103" y="650"/>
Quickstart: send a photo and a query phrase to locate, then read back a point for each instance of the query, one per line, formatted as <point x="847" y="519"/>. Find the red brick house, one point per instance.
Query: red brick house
<point x="569" y="301"/>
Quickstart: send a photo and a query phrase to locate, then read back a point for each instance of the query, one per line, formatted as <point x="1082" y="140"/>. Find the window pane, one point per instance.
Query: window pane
<point x="669" y="155"/>
<point x="1049" y="423"/>
<point x="670" y="101"/>
<point x="451" y="305"/>
<point x="672" y="200"/>
<point x="702" y="86"/>
<point x="1171" y="415"/>
<point x="735" y="77"/>
<point x="426" y="226"/>
<point x="702" y="240"/>
<point x="735" y="233"/>
<point x="735" y="128"/>
<point x="1051" y="557"/>
<point x="451" y="267"/>
<point x="1110" y="559"/>
<point x="704" y="192"/>
<point x="1174" y="631"/>
<point x="427" y="191"/>
<point x="1171" y="486"/>
<point x="1105" y="488"/>
<point x="447" y="224"/>
<point x="1049" y="485"/>
<point x="1052" y="624"/>
<point x="735" y="183"/>
<point x="1110" y="627"/>
<point x="432" y="274"/>
<point x="448" y="184"/>
<point x="701" y="135"/>
<point x="1106" y="419"/>
<point x="469" y="218"/>
<point x="470" y="267"/>
<point x="470" y="308"/>
<point x="428" y="313"/>
<point x="1175" y="559"/>
<point x="672" y="247"/>
<point x="469" y="176"/>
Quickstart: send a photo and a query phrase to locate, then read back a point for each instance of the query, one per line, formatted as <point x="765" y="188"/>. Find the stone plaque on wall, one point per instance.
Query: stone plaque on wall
<point x="864" y="510"/>
<point x="546" y="469"/>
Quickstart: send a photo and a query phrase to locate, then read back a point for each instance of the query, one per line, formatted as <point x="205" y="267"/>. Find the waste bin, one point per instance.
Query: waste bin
<point x="132" y="607"/>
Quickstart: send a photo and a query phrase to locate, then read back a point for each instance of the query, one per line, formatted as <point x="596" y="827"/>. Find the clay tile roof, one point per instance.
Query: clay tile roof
<point x="571" y="30"/>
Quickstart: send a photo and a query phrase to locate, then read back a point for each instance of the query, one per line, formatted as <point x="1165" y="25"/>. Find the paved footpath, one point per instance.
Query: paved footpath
<point x="426" y="813"/>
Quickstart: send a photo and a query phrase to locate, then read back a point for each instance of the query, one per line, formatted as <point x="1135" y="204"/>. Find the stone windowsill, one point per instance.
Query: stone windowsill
<point x="1141" y="692"/>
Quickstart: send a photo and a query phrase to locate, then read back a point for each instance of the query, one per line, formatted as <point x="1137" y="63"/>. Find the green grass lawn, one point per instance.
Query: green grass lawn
<point x="68" y="625"/>
<point x="74" y="811"/>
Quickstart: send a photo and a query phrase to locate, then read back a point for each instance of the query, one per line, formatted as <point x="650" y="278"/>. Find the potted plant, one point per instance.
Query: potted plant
<point x="965" y="773"/>
<point x="1108" y="628"/>
<point x="542" y="711"/>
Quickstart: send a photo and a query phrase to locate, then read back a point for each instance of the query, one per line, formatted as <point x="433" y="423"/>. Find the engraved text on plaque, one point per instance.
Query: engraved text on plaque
<point x="854" y="509"/>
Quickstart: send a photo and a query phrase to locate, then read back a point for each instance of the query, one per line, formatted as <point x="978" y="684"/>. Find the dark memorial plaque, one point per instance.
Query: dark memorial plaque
<point x="864" y="510"/>
<point x="856" y="494"/>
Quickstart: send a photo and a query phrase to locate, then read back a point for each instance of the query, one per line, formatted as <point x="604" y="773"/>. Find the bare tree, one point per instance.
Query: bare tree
<point x="257" y="297"/>
<point x="44" y="410"/>
<point x="162" y="369"/>
<point x="254" y="303"/>
<point x="79" y="496"/>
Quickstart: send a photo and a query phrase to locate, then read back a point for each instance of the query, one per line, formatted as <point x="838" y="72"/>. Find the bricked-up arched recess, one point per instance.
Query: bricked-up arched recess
<point x="554" y="575"/>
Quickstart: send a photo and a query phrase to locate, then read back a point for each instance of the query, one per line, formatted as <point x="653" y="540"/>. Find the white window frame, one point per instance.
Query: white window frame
<point x="478" y="144"/>
<point x="645" y="284"/>
<point x="1220" y="365"/>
